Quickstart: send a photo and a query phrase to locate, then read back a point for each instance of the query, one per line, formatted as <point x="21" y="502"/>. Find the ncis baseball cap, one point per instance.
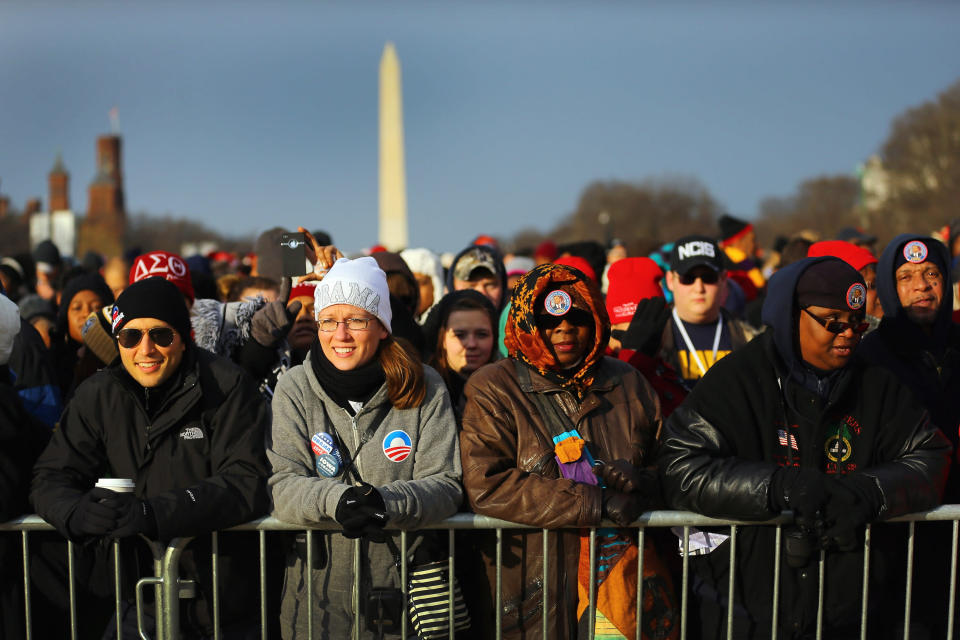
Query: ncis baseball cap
<point x="696" y="251"/>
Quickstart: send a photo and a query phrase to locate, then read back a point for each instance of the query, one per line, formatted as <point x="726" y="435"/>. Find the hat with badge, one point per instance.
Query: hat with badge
<point x="696" y="251"/>
<point x="833" y="284"/>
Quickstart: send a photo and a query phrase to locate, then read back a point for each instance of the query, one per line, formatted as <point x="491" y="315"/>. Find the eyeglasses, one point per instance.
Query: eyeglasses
<point x="160" y="336"/>
<point x="835" y="326"/>
<point x="329" y="325"/>
<point x="707" y="276"/>
<point x="576" y="317"/>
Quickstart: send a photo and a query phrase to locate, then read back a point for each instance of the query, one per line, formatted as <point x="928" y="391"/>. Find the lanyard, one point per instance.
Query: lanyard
<point x="690" y="347"/>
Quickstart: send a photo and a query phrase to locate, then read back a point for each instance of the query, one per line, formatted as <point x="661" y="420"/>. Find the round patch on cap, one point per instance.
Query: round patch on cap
<point x="915" y="252"/>
<point x="558" y="302"/>
<point x="856" y="295"/>
<point x="397" y="445"/>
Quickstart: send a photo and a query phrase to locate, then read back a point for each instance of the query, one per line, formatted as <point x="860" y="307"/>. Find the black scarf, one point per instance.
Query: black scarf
<point x="358" y="384"/>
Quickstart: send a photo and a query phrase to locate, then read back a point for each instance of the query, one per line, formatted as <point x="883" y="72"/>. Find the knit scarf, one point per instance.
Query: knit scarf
<point x="358" y="384"/>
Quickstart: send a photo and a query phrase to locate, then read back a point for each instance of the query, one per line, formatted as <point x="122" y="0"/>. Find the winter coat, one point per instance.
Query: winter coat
<point x="419" y="487"/>
<point x="510" y="472"/>
<point x="928" y="364"/>
<point x="199" y="462"/>
<point x="721" y="447"/>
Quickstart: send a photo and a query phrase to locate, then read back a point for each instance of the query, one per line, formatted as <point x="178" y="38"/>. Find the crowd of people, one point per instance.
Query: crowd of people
<point x="566" y="388"/>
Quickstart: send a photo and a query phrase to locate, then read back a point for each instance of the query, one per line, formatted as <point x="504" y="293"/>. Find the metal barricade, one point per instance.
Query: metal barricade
<point x="169" y="588"/>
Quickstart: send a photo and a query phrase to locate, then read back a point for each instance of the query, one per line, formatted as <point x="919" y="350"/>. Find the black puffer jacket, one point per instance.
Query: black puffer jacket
<point x="195" y="449"/>
<point x="721" y="447"/>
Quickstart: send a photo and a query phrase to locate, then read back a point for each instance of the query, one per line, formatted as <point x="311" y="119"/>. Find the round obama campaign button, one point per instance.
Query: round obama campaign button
<point x="322" y="443"/>
<point x="557" y="302"/>
<point x="328" y="466"/>
<point x="915" y="252"/>
<point x="397" y="445"/>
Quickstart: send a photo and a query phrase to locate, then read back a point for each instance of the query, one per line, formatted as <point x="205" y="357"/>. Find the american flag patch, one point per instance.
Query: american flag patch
<point x="782" y="437"/>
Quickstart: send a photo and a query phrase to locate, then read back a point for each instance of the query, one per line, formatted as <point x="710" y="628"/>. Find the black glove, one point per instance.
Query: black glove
<point x="645" y="332"/>
<point x="801" y="490"/>
<point x="362" y="512"/>
<point x="622" y="508"/>
<point x="852" y="501"/>
<point x="135" y="516"/>
<point x="619" y="475"/>
<point x="93" y="517"/>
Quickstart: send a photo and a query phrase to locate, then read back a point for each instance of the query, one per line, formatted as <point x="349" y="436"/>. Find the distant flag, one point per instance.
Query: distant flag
<point x="115" y="120"/>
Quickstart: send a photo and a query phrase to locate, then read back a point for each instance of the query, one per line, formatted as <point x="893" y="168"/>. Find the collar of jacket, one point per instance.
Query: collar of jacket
<point x="187" y="375"/>
<point x="603" y="381"/>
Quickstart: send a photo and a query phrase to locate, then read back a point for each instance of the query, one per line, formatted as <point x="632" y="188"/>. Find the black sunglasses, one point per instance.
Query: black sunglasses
<point x="835" y="326"/>
<point x="160" y="336"/>
<point x="576" y="317"/>
<point x="708" y="276"/>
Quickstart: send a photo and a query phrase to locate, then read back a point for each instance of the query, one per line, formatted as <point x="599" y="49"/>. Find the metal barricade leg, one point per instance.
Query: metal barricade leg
<point x="545" y="622"/>
<point x="498" y="601"/>
<point x="308" y="573"/>
<point x="451" y="571"/>
<point x="592" y="609"/>
<point x="263" y="584"/>
<point x="640" y="540"/>
<point x="952" y="603"/>
<point x="908" y="599"/>
<point x="404" y="587"/>
<point x="171" y="589"/>
<point x="28" y="620"/>
<point x="775" y="614"/>
<point x="820" y="587"/>
<point x="731" y="581"/>
<point x="215" y="560"/>
<point x="684" y="583"/>
<point x="866" y="584"/>
<point x="72" y="590"/>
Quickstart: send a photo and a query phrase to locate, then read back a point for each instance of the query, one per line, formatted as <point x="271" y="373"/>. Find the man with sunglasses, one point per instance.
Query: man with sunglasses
<point x="188" y="427"/>
<point x="795" y="421"/>
<point x="700" y="332"/>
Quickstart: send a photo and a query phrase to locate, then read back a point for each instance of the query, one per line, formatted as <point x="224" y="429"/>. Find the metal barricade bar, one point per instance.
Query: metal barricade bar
<point x="168" y="584"/>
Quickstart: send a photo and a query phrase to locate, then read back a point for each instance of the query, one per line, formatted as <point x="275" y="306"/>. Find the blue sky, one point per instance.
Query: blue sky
<point x="246" y="115"/>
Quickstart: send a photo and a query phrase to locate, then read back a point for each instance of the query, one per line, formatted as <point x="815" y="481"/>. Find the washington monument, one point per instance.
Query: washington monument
<point x="393" y="181"/>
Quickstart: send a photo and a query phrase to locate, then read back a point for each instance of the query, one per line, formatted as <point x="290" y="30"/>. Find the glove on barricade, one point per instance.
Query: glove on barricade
<point x="92" y="517"/>
<point x="619" y="475"/>
<point x="800" y="490"/>
<point x="362" y="512"/>
<point x="622" y="508"/>
<point x="645" y="332"/>
<point x="135" y="516"/>
<point x="852" y="501"/>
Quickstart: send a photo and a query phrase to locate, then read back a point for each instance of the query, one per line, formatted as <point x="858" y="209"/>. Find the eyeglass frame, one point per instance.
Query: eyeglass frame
<point x="337" y="323"/>
<point x="153" y="332"/>
<point x="833" y="325"/>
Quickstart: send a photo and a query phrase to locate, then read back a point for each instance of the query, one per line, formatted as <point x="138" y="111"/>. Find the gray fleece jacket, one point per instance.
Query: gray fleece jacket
<point x="419" y="487"/>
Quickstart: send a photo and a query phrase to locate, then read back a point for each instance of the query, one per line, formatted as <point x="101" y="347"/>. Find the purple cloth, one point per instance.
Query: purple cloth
<point x="579" y="471"/>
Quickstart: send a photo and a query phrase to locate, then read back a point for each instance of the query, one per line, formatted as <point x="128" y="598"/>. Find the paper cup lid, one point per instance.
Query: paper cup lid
<point x="119" y="483"/>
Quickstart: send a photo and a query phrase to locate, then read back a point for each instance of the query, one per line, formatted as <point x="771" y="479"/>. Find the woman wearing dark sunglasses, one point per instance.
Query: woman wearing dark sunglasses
<point x="795" y="421"/>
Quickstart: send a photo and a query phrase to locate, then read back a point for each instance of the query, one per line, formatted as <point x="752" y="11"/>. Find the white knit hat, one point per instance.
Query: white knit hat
<point x="9" y="327"/>
<point x="358" y="282"/>
<point x="428" y="263"/>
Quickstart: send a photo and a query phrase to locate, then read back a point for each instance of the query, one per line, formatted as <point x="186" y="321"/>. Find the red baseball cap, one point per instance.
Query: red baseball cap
<point x="165" y="265"/>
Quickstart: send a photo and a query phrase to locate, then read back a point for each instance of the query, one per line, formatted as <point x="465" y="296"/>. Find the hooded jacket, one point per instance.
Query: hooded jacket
<point x="761" y="408"/>
<point x="507" y="449"/>
<point x="428" y="263"/>
<point x="928" y="364"/>
<point x="418" y="488"/>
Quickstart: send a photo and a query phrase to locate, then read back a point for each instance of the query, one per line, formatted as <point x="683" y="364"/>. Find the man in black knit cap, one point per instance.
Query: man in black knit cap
<point x="187" y="427"/>
<point x="795" y="421"/>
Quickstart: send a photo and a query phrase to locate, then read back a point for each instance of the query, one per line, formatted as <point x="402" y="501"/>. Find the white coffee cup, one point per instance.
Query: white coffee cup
<point x="119" y="485"/>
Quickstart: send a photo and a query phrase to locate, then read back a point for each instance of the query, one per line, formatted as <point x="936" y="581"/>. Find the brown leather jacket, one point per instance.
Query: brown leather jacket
<point x="509" y="472"/>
